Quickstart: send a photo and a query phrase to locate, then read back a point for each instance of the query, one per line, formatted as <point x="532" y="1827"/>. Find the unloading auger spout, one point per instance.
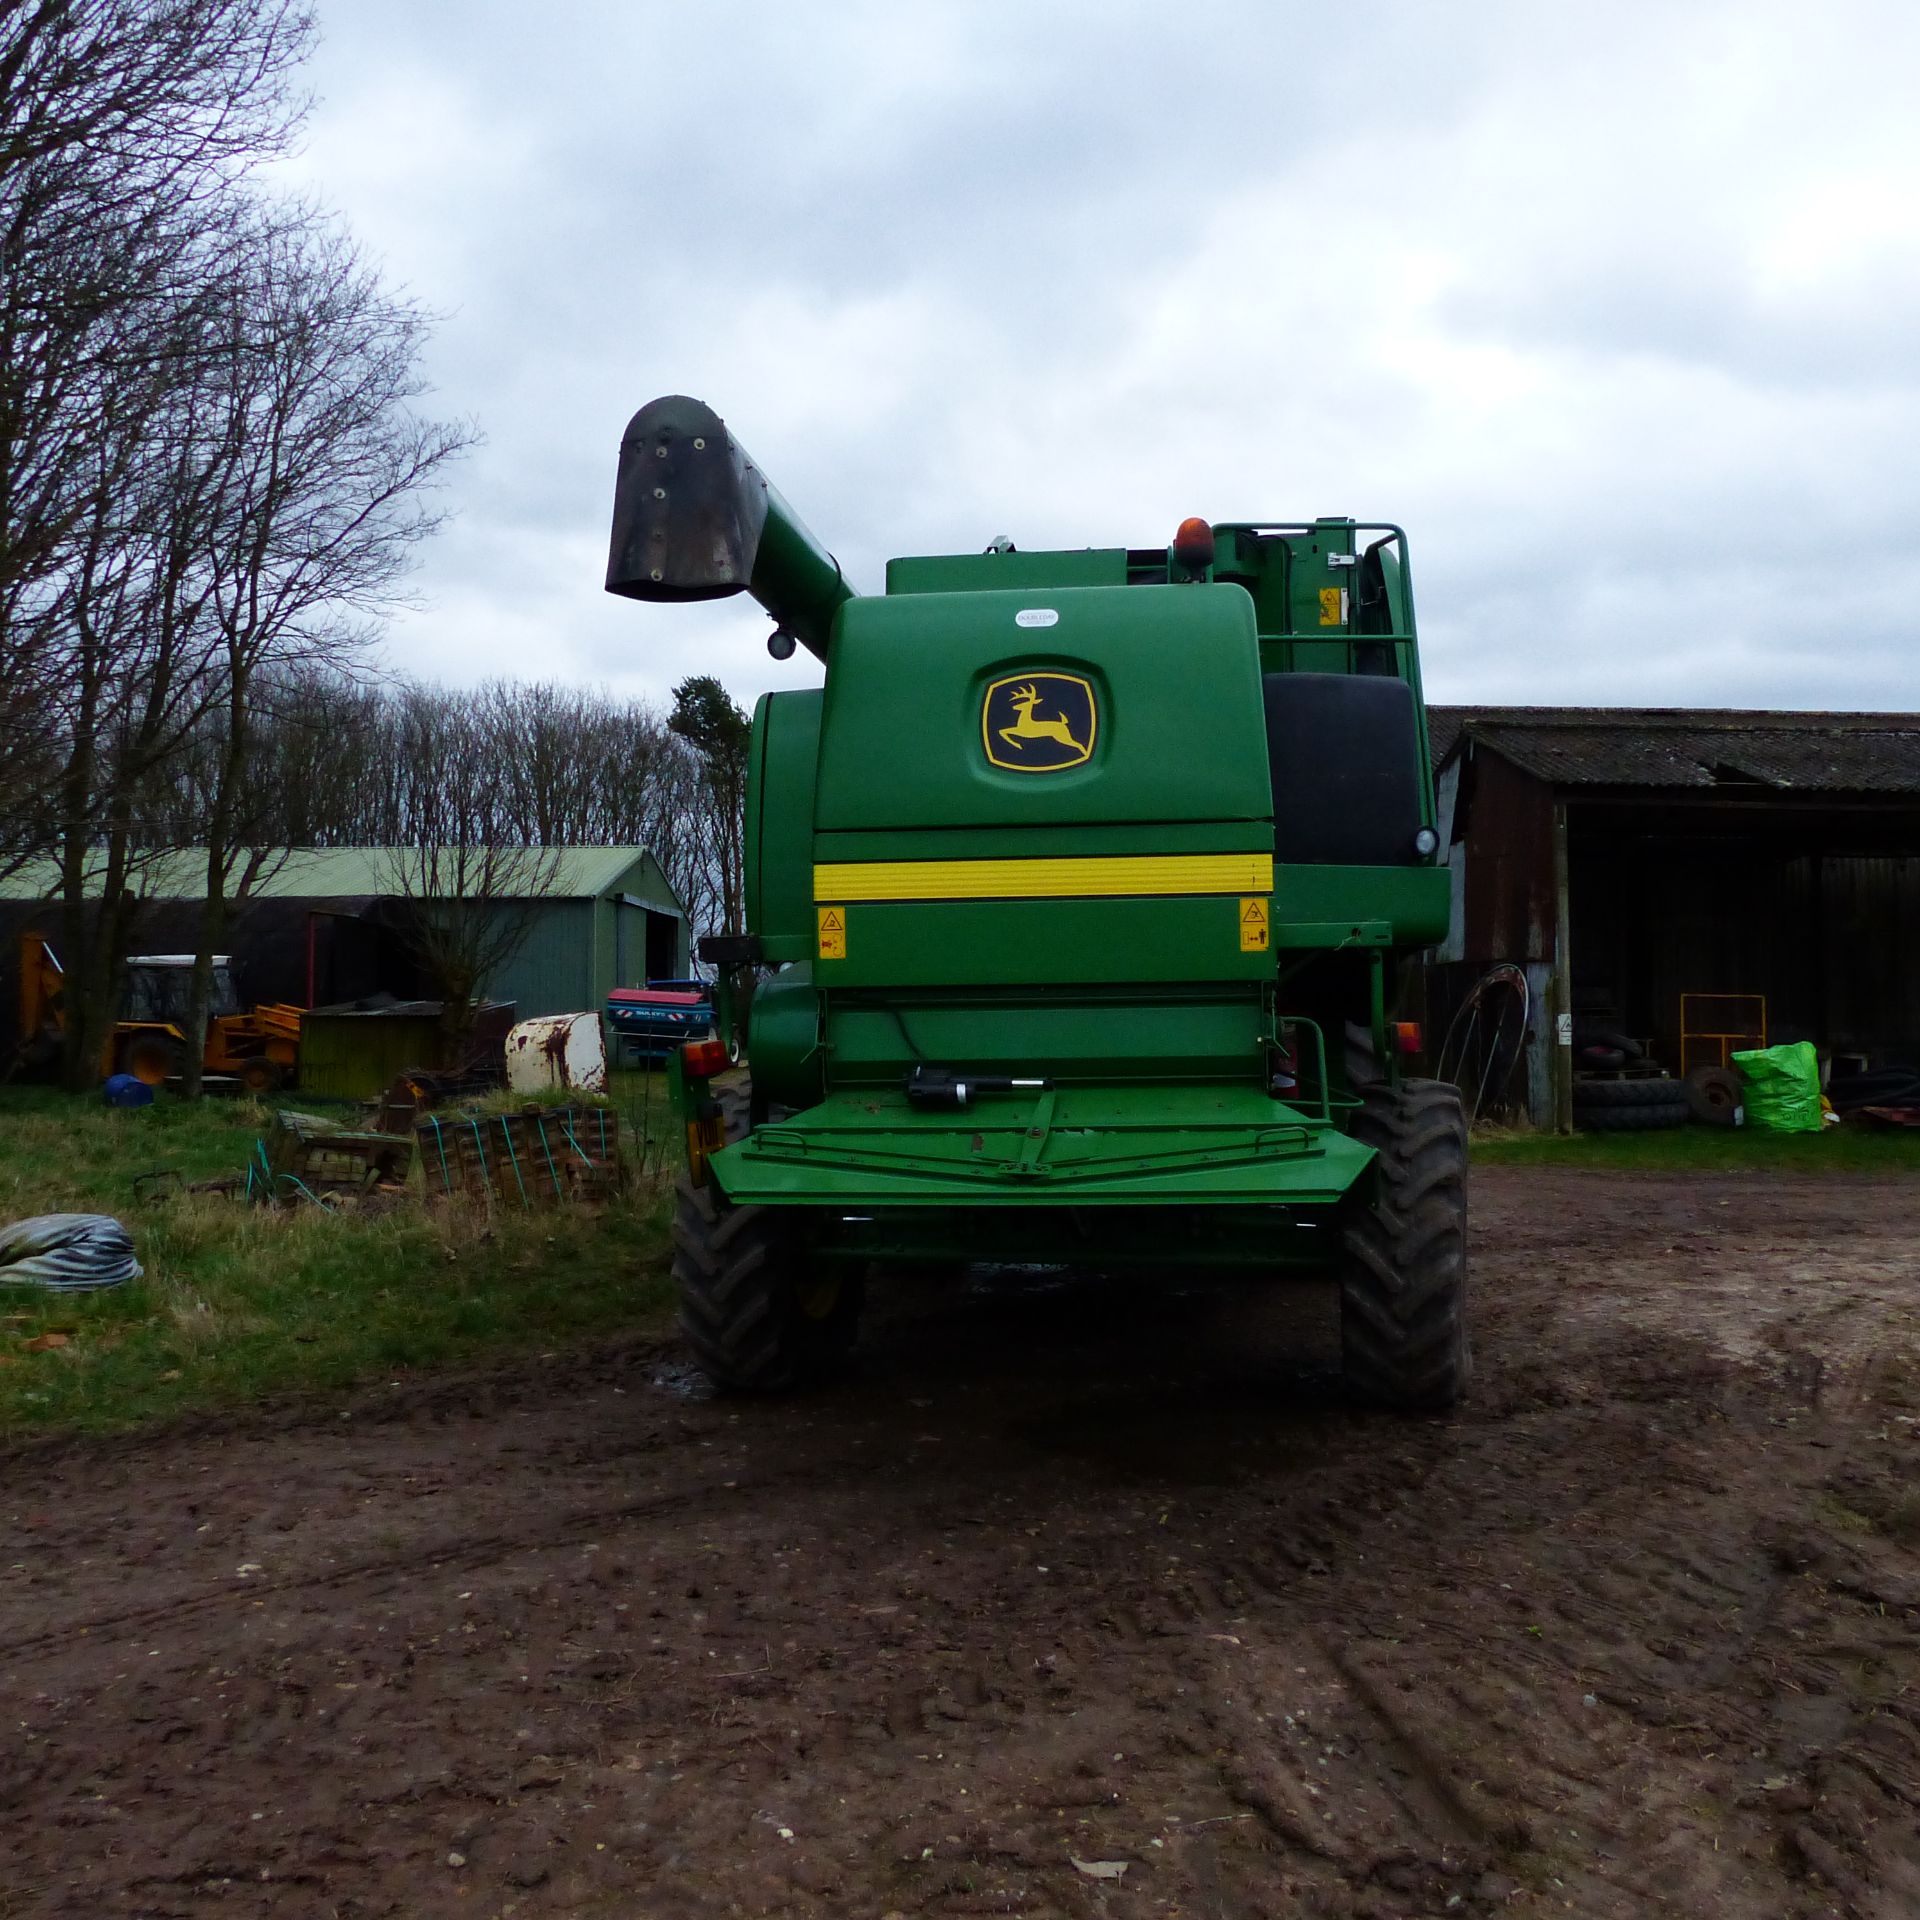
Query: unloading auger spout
<point x="695" y="519"/>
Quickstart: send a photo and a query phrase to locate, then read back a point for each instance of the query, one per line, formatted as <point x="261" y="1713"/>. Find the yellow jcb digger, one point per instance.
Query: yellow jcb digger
<point x="260" y="1049"/>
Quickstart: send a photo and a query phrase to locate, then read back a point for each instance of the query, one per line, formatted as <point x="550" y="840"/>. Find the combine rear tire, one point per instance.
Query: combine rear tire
<point x="758" y="1317"/>
<point x="1403" y="1282"/>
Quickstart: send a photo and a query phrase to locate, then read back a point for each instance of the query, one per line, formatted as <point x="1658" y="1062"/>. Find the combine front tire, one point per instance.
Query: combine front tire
<point x="1403" y="1284"/>
<point x="757" y="1314"/>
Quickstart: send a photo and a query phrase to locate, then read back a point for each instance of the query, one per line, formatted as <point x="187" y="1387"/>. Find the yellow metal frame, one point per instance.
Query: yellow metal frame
<point x="1723" y="1039"/>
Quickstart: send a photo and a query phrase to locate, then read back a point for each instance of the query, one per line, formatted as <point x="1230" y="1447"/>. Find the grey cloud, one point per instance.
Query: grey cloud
<point x="1554" y="290"/>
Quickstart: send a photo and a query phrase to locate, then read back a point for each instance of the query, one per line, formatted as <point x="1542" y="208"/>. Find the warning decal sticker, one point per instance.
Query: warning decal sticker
<point x="833" y="933"/>
<point x="1255" y="928"/>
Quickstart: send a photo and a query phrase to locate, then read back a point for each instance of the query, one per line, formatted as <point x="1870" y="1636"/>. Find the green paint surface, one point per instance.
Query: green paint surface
<point x="1151" y="1023"/>
<point x="1112" y="1146"/>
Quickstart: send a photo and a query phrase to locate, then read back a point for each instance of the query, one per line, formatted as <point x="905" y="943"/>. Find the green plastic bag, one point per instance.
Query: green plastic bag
<point x="1782" y="1087"/>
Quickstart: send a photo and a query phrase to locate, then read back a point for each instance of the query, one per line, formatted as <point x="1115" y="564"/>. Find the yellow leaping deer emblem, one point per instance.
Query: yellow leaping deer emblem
<point x="1039" y="721"/>
<point x="1026" y="727"/>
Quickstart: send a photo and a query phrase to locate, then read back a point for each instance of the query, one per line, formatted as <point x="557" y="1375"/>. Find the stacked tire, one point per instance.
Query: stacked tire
<point x="1646" y="1105"/>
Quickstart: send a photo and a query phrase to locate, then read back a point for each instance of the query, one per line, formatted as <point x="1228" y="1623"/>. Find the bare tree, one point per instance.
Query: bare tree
<point x="466" y="901"/>
<point x="317" y="734"/>
<point x="342" y="759"/>
<point x="129" y="625"/>
<point x="123" y="127"/>
<point x="157" y="87"/>
<point x="126" y="131"/>
<point x="317" y="498"/>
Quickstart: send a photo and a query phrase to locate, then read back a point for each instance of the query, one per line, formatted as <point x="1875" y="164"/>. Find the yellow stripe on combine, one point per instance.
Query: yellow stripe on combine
<point x="1148" y="873"/>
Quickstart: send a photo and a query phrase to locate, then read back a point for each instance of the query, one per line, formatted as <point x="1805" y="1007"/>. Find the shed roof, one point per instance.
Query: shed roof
<point x="334" y="873"/>
<point x="1693" y="747"/>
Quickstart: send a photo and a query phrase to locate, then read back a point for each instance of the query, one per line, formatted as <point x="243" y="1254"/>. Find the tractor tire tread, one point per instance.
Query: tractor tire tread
<point x="1652" y="1091"/>
<point x="1713" y="1094"/>
<point x="1649" y="1119"/>
<point x="1403" y="1325"/>
<point x="734" y="1269"/>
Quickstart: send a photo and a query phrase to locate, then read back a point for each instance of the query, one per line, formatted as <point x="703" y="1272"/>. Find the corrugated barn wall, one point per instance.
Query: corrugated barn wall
<point x="1649" y="856"/>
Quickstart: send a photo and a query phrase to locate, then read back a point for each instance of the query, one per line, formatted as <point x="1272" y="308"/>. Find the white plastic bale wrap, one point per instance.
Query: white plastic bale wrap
<point x="67" y="1252"/>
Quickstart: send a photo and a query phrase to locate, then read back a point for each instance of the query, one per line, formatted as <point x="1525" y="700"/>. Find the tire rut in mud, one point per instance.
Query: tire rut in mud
<point x="1636" y="1632"/>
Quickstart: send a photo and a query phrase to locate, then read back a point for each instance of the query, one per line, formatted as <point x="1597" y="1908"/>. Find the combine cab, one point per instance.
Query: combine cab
<point x="1080" y="885"/>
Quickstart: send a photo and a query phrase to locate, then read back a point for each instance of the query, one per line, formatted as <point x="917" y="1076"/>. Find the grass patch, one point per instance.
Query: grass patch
<point x="240" y="1303"/>
<point x="1849" y="1148"/>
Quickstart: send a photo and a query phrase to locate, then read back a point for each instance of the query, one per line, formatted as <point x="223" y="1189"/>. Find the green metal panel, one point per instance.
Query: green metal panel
<point x="1012" y="943"/>
<point x="1045" y="842"/>
<point x="570" y="959"/>
<point x="1324" y="906"/>
<point x="554" y="970"/>
<point x="1113" y="1146"/>
<point x="784" y="1035"/>
<point x="786" y="750"/>
<point x="603" y="953"/>
<point x="1175" y="673"/>
<point x="356" y="1056"/>
<point x="627" y="928"/>
<point x="1310" y="577"/>
<point x="988" y="572"/>
<point x="1176" y="1032"/>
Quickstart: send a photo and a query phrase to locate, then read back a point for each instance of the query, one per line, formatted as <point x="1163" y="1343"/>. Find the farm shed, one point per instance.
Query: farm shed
<point x="323" y="926"/>
<point x="1681" y="874"/>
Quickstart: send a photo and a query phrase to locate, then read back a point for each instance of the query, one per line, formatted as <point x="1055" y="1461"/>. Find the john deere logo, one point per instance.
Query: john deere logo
<point x="1039" y="722"/>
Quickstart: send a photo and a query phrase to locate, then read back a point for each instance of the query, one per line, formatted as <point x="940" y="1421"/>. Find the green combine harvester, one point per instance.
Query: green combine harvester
<point x="1074" y="902"/>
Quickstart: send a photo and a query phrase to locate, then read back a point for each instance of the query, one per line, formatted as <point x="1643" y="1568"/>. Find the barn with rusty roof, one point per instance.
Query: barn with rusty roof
<point x="1704" y="878"/>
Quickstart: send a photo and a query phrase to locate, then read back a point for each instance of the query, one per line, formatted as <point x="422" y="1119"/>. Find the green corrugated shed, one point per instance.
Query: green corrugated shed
<point x="554" y="970"/>
<point x="609" y="920"/>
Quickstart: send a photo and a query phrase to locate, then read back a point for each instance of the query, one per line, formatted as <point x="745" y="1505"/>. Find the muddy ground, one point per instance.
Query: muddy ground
<point x="1073" y="1601"/>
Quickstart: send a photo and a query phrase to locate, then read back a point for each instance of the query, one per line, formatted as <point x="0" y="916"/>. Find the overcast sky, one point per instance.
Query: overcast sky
<point x="1616" y="309"/>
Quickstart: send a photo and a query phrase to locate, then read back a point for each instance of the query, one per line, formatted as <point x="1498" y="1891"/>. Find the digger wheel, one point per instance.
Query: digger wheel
<point x="261" y="1074"/>
<point x="758" y="1316"/>
<point x="1403" y="1283"/>
<point x="153" y="1058"/>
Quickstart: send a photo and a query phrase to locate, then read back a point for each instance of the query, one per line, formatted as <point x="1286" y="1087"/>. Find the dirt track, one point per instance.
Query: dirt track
<point x="1638" y="1633"/>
